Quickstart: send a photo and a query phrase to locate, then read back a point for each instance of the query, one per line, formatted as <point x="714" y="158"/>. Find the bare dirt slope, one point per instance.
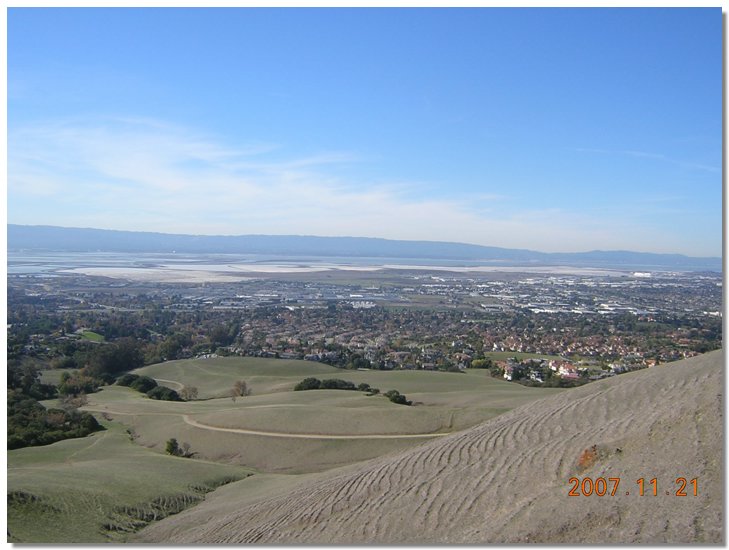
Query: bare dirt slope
<point x="507" y="480"/>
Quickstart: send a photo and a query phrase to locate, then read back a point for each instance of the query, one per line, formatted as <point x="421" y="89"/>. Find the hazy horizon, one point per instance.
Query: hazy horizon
<point x="554" y="130"/>
<point x="296" y="235"/>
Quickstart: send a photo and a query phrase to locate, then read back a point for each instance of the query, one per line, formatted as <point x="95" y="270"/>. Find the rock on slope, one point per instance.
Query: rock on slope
<point x="507" y="480"/>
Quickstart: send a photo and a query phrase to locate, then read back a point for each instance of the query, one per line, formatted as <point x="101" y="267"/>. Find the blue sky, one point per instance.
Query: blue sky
<point x="549" y="129"/>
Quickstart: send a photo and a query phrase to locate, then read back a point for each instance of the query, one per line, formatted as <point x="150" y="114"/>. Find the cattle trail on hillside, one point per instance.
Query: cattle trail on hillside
<point x="507" y="480"/>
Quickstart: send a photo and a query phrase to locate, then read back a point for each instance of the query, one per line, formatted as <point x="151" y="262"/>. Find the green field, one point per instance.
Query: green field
<point x="93" y="336"/>
<point x="53" y="376"/>
<point x="103" y="487"/>
<point x="443" y="403"/>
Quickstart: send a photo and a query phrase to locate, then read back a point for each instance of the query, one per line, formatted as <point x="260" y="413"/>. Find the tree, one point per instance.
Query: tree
<point x="175" y="449"/>
<point x="223" y="335"/>
<point x="484" y="363"/>
<point x="188" y="393"/>
<point x="172" y="447"/>
<point x="240" y="389"/>
<point x="124" y="355"/>
<point x="77" y="384"/>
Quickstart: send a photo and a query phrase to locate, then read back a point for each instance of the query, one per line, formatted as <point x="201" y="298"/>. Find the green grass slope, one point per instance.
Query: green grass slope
<point x="214" y="426"/>
<point x="108" y="485"/>
<point x="101" y="488"/>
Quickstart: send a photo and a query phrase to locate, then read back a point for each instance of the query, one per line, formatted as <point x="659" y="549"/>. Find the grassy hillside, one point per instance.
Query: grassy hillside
<point x="508" y="479"/>
<point x="445" y="402"/>
<point x="101" y="488"/>
<point x="106" y="486"/>
<point x="215" y="377"/>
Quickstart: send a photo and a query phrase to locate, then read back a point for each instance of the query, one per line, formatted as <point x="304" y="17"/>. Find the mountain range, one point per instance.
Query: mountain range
<point x="43" y="237"/>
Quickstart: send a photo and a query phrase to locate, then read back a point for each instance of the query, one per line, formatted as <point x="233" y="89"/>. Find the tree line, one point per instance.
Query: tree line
<point x="312" y="383"/>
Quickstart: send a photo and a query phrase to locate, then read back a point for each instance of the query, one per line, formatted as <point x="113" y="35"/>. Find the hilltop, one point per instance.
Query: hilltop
<point x="507" y="479"/>
<point x="27" y="237"/>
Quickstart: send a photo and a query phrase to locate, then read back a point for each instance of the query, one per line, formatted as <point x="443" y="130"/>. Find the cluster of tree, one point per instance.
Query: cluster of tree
<point x="78" y="384"/>
<point x="396" y="397"/>
<point x="333" y="384"/>
<point x="312" y="383"/>
<point x="31" y="424"/>
<point x="25" y="379"/>
<point x="97" y="365"/>
<point x="484" y="363"/>
<point x="112" y="359"/>
<point x="173" y="448"/>
<point x="100" y="360"/>
<point x="148" y="386"/>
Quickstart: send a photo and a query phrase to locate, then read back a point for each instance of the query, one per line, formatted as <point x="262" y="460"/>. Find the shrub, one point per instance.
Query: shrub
<point x="127" y="379"/>
<point x="175" y="449"/>
<point x="172" y="447"/>
<point x="485" y="363"/>
<point x="308" y="384"/>
<point x="143" y="384"/>
<point x="396" y="397"/>
<point x="163" y="394"/>
<point x="400" y="400"/>
<point x="337" y="384"/>
<point x="240" y="389"/>
<point x="188" y="393"/>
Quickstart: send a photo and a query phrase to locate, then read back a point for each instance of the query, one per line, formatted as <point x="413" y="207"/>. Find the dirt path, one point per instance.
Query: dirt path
<point x="186" y="418"/>
<point x="197" y="424"/>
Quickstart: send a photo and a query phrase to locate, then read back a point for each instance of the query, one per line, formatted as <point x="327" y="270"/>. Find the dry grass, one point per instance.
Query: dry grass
<point x="449" y="402"/>
<point x="507" y="480"/>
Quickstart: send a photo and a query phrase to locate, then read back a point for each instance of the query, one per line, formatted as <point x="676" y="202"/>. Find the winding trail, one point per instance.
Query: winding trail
<point x="197" y="424"/>
<point x="186" y="418"/>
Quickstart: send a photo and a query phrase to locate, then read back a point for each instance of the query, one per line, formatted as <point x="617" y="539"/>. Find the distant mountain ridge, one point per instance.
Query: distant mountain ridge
<point x="43" y="237"/>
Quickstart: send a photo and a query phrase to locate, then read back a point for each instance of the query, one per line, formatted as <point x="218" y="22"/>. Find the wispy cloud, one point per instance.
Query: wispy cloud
<point x="141" y="174"/>
<point x="652" y="156"/>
